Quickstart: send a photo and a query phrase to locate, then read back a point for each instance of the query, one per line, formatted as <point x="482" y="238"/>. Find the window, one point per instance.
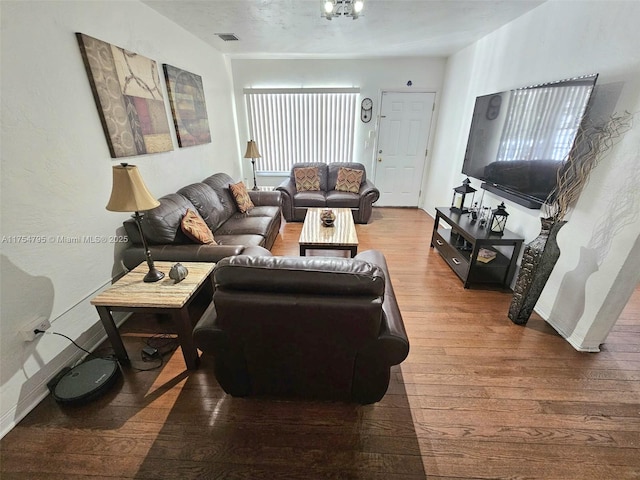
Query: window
<point x="301" y="125"/>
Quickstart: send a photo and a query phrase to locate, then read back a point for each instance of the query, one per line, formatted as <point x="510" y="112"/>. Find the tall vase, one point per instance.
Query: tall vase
<point x="538" y="260"/>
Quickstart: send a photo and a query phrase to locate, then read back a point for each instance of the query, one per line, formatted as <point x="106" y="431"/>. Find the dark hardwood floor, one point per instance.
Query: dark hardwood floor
<point x="477" y="398"/>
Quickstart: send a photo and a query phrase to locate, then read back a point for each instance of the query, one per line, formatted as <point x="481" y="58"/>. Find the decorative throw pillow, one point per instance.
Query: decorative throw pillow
<point x="243" y="200"/>
<point x="349" y="180"/>
<point x="194" y="227"/>
<point x="307" y="179"/>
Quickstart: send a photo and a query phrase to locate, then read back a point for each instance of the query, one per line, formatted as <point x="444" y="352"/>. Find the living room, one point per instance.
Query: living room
<point x="56" y="167"/>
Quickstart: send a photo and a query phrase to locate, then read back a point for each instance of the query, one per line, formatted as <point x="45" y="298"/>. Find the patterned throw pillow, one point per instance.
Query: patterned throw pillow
<point x="307" y="179"/>
<point x="194" y="227"/>
<point x="243" y="200"/>
<point x="349" y="180"/>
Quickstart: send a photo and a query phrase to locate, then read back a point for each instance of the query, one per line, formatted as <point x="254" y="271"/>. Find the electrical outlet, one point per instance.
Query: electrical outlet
<point x="39" y="323"/>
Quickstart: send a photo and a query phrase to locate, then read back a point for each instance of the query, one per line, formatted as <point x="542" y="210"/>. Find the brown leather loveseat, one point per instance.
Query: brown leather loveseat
<point x="296" y="202"/>
<point x="315" y="327"/>
<point x="250" y="233"/>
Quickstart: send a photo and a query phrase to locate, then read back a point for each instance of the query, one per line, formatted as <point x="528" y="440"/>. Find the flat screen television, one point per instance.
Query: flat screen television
<point x="519" y="139"/>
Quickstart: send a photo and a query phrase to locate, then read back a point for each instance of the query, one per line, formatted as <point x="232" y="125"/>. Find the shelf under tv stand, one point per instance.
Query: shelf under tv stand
<point x="458" y="239"/>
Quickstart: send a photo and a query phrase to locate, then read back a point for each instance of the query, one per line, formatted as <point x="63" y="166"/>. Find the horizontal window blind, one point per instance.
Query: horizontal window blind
<point x="301" y="125"/>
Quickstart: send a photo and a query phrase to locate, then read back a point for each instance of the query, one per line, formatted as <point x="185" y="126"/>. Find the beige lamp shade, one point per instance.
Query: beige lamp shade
<point x="252" y="150"/>
<point x="129" y="193"/>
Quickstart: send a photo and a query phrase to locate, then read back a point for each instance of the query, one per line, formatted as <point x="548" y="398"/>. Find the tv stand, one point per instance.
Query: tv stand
<point x="459" y="239"/>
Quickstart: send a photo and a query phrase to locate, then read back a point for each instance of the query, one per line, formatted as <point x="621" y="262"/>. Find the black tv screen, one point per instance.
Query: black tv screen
<point x="520" y="138"/>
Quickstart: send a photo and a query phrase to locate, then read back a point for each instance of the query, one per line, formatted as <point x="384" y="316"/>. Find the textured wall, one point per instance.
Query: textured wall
<point x="56" y="173"/>
<point x="593" y="278"/>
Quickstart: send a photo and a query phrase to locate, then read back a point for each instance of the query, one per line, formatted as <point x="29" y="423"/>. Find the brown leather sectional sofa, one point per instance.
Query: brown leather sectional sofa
<point x="295" y="203"/>
<point x="318" y="327"/>
<point x="251" y="233"/>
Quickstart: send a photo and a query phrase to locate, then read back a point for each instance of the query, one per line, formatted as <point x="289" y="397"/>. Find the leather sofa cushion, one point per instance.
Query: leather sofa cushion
<point x="207" y="203"/>
<point x="338" y="199"/>
<point x="245" y="240"/>
<point x="161" y="225"/>
<point x="306" y="275"/>
<point x="220" y="183"/>
<point x="245" y="225"/>
<point x="260" y="211"/>
<point x="310" y="199"/>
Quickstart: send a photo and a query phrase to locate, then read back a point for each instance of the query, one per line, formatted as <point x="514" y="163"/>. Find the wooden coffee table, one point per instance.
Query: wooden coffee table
<point x="315" y="236"/>
<point x="132" y="294"/>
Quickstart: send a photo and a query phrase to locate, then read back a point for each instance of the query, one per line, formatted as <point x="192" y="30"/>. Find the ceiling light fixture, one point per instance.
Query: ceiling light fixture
<point x="342" y="8"/>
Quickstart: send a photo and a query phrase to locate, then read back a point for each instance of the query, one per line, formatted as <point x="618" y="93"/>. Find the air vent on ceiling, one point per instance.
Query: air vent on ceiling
<point x="227" y="37"/>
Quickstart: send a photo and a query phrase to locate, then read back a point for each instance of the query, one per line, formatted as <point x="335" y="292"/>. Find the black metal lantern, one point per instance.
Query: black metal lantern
<point x="460" y="202"/>
<point x="498" y="219"/>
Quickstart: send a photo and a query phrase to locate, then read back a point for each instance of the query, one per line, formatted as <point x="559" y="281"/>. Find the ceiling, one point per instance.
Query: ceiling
<point x="296" y="29"/>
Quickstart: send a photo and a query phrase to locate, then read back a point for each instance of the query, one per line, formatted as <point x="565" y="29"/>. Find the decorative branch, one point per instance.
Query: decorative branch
<point x="593" y="142"/>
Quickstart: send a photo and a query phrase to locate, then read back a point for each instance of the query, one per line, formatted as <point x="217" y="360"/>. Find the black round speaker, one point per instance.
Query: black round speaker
<point x="86" y="381"/>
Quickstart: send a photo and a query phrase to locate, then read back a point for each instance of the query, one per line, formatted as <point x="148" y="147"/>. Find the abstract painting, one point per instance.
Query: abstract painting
<point x="126" y="88"/>
<point x="189" y="109"/>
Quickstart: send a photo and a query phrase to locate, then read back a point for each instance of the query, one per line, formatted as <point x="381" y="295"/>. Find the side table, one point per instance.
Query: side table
<point x="132" y="294"/>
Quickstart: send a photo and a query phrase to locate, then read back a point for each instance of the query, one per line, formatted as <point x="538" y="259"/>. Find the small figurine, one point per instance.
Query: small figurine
<point x="178" y="272"/>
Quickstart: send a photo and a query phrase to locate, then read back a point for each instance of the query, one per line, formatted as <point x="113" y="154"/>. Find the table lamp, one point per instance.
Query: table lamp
<point x="130" y="194"/>
<point x="252" y="153"/>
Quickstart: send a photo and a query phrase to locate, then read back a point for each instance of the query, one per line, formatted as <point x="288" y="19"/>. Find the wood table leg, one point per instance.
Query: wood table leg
<point x="184" y="328"/>
<point x="113" y="334"/>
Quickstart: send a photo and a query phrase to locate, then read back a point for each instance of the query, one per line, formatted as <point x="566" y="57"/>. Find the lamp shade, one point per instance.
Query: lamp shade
<point x="252" y="150"/>
<point x="129" y="193"/>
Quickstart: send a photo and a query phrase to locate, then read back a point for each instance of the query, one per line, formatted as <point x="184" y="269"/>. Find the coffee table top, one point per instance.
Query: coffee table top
<point x="343" y="232"/>
<point x="132" y="291"/>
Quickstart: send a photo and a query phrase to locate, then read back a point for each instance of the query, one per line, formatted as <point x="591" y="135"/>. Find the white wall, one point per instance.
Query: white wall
<point x="56" y="173"/>
<point x="372" y="76"/>
<point x="598" y="267"/>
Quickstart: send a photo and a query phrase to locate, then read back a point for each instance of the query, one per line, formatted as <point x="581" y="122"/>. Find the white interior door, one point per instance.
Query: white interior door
<point x="405" y="122"/>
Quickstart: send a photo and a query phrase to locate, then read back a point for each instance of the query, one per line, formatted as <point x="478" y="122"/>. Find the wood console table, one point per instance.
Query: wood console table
<point x="132" y="294"/>
<point x="459" y="246"/>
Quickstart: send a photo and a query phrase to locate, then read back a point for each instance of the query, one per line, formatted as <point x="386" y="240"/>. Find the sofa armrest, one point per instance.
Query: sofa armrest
<point x="134" y="254"/>
<point x="287" y="190"/>
<point x="393" y="339"/>
<point x="368" y="195"/>
<point x="265" y="199"/>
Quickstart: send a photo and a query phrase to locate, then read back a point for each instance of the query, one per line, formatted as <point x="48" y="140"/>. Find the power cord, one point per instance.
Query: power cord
<point x="156" y="348"/>
<point x="36" y="331"/>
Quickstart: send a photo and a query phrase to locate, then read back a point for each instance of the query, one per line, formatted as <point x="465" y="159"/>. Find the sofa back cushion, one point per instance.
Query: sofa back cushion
<point x="220" y="183"/>
<point x="207" y="203"/>
<point x="322" y="173"/>
<point x="300" y="275"/>
<point x="333" y="169"/>
<point x="161" y="225"/>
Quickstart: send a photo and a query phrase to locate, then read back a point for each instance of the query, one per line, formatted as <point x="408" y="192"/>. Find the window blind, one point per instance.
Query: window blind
<point x="301" y="125"/>
<point x="548" y="121"/>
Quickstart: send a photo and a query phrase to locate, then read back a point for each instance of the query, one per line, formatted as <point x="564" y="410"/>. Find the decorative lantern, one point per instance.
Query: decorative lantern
<point x="499" y="219"/>
<point x="459" y="202"/>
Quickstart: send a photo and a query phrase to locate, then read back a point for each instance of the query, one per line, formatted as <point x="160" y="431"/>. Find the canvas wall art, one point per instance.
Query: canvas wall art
<point x="189" y="109"/>
<point x="126" y="88"/>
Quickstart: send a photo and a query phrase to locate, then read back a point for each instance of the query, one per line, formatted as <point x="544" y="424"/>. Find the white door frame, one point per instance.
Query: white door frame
<point x="374" y="159"/>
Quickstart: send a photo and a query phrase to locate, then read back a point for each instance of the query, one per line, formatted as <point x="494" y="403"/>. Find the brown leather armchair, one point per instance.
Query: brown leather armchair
<point x="315" y="327"/>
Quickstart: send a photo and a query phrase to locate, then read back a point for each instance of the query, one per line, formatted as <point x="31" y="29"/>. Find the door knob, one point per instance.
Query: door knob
<point x="379" y="159"/>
